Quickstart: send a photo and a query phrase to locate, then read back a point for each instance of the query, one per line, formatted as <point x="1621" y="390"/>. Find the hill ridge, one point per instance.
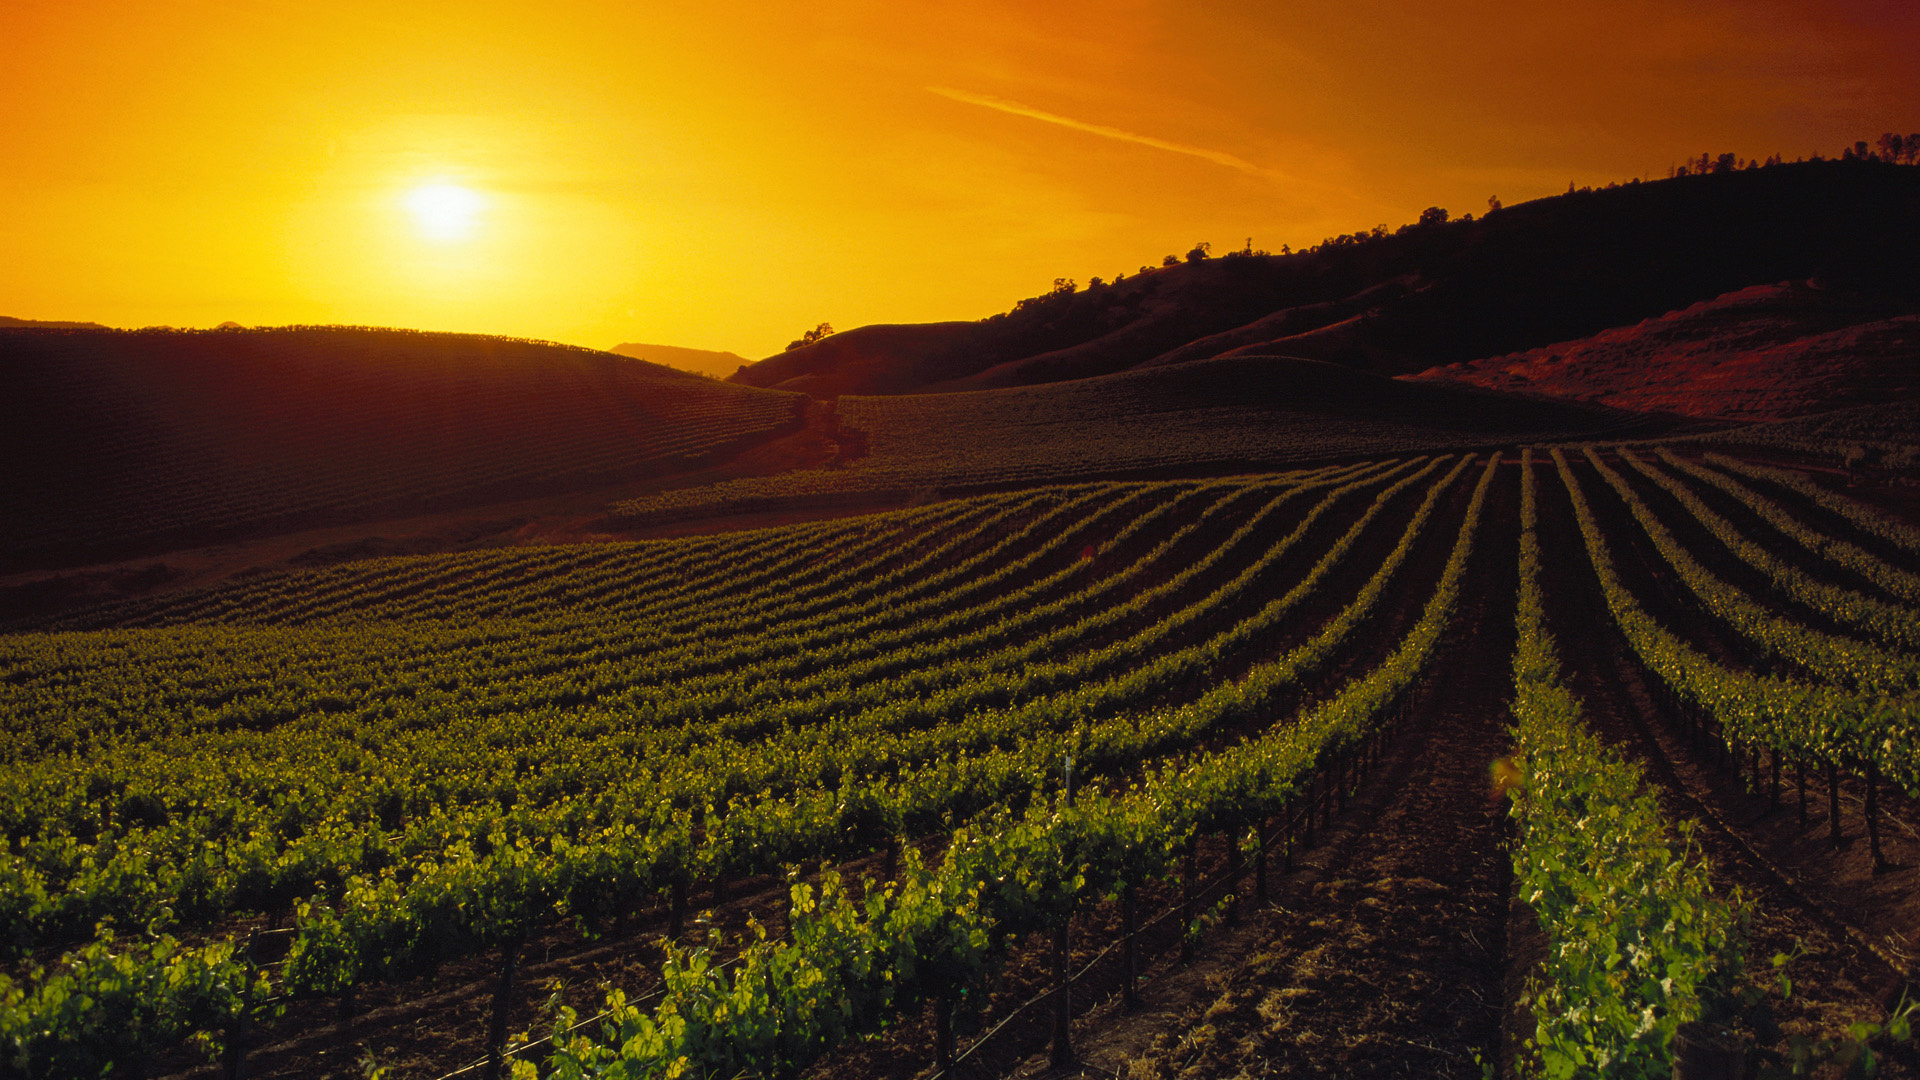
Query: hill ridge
<point x="1528" y="275"/>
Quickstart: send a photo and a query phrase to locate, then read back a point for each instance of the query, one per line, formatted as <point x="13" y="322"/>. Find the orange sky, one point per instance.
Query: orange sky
<point x="724" y="175"/>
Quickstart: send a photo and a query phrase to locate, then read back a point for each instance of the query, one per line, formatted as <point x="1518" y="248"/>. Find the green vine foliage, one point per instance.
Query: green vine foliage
<point x="495" y="839"/>
<point x="1638" y="942"/>
<point x="1831" y="658"/>
<point x="1901" y="583"/>
<point x="1892" y="623"/>
<point x="1810" y="722"/>
<point x="1862" y="516"/>
<point x="114" y="1004"/>
<point x="853" y="965"/>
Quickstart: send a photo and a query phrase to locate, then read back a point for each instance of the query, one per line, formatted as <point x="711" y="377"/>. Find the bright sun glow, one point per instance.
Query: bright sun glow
<point x="445" y="211"/>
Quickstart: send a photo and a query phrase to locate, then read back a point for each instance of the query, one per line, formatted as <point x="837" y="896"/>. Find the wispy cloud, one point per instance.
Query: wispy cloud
<point x="1017" y="109"/>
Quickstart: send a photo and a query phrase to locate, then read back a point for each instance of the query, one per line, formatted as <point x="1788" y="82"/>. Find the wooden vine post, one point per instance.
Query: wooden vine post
<point x="1186" y="898"/>
<point x="1702" y="1051"/>
<point x="676" y="907"/>
<point x="943" y="1033"/>
<point x="1873" y="814"/>
<point x="1260" y="862"/>
<point x="236" y="1051"/>
<point x="1235" y="871"/>
<point x="502" y="1001"/>
<point x="1833" y="804"/>
<point x="1062" y="1052"/>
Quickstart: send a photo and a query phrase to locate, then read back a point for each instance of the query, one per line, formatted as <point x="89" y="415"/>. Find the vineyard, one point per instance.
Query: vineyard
<point x="1233" y="414"/>
<point x="1568" y="761"/>
<point x="194" y="436"/>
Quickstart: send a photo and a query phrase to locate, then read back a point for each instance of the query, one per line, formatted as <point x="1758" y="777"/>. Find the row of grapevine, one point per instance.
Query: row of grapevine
<point x="1808" y="722"/>
<point x="1829" y="657"/>
<point x="1638" y="943"/>
<point x="851" y="964"/>
<point x="452" y="879"/>
<point x="1900" y="583"/>
<point x="128" y="853"/>
<point x="470" y="667"/>
<point x="1862" y="517"/>
<point x="1891" y="623"/>
<point x="912" y="788"/>
<point x="632" y="573"/>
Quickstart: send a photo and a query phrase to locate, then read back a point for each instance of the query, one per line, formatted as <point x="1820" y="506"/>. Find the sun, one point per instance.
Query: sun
<point x="444" y="211"/>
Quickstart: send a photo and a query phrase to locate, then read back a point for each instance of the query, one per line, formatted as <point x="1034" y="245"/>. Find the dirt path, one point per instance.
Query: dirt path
<point x="1804" y="893"/>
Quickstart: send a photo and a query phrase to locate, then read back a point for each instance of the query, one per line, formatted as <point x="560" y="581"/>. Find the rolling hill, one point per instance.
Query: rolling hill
<point x="1527" y="276"/>
<point x="1767" y="352"/>
<point x="7" y="322"/>
<point x="126" y="442"/>
<point x="1239" y="413"/>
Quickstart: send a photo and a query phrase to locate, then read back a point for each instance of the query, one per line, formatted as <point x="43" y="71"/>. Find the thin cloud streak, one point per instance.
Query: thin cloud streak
<point x="1017" y="109"/>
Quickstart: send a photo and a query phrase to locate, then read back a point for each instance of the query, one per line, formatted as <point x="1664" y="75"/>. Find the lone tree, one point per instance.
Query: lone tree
<point x="811" y="336"/>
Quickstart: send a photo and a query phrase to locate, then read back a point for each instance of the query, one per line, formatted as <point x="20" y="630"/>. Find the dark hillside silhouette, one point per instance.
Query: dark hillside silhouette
<point x="117" y="443"/>
<point x="8" y="323"/>
<point x="1441" y="292"/>
<point x="1761" y="353"/>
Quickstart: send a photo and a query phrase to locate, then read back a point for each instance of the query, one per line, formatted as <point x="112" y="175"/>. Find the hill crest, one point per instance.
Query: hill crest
<point x="1766" y="352"/>
<point x="115" y="442"/>
<point x="1442" y="292"/>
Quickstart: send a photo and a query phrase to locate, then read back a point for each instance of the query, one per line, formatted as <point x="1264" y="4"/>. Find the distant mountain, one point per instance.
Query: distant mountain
<point x="1767" y="352"/>
<point x="1553" y="270"/>
<point x="50" y="325"/>
<point x="124" y="442"/>
<point x="699" y="361"/>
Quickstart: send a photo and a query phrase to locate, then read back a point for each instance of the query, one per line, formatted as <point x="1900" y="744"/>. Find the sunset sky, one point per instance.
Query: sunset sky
<point x="724" y="175"/>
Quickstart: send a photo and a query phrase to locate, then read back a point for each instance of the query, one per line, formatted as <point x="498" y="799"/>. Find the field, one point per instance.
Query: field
<point x="1228" y="415"/>
<point x="1386" y="766"/>
<point x="116" y="443"/>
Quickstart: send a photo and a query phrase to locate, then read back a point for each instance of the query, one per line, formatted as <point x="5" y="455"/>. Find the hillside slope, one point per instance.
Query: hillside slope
<point x="1762" y="353"/>
<point x="123" y="442"/>
<point x="1212" y="416"/>
<point x="1555" y="269"/>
